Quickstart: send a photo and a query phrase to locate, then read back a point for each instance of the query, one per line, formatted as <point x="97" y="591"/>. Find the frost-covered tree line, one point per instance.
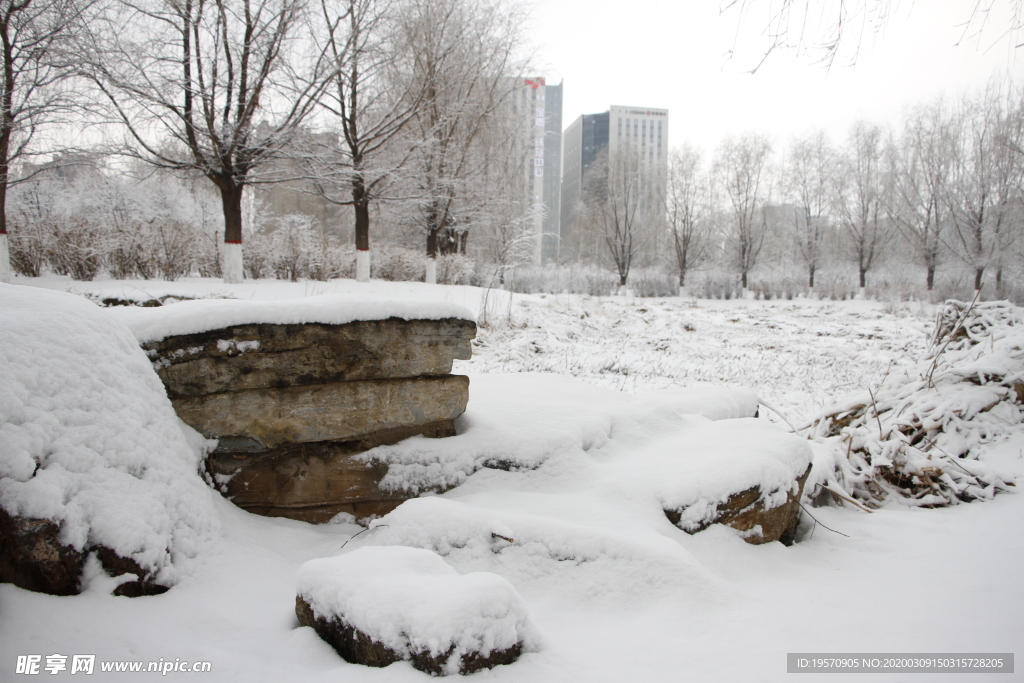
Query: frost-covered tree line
<point x="390" y="118"/>
<point x="938" y="199"/>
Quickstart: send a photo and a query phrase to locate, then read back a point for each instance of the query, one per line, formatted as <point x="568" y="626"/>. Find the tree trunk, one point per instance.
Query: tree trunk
<point x="863" y="277"/>
<point x="463" y="236"/>
<point x="978" y="273"/>
<point x="743" y="280"/>
<point x="810" y="276"/>
<point x="362" y="210"/>
<point x="361" y="206"/>
<point x="231" y="200"/>
<point x="930" y="280"/>
<point x="432" y="243"/>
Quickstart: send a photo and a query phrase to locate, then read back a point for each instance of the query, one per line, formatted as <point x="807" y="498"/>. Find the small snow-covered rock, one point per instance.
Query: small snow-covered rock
<point x="92" y="456"/>
<point x="380" y="605"/>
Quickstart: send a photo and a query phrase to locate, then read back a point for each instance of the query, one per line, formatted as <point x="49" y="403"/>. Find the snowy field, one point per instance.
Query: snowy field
<point x="614" y="591"/>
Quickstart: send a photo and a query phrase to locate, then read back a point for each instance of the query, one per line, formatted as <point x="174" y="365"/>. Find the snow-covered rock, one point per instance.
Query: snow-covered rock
<point x="380" y="605"/>
<point x="292" y="390"/>
<point x="92" y="456"/>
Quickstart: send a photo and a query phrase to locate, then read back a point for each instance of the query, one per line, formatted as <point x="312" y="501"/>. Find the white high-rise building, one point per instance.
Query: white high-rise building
<point x="638" y="130"/>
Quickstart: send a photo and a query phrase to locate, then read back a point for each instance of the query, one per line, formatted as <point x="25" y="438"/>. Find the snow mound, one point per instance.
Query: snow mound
<point x="411" y="601"/>
<point x="88" y="437"/>
<point x="203" y="315"/>
<point x="543" y="552"/>
<point x="520" y="421"/>
<point x="704" y="463"/>
<point x="916" y="437"/>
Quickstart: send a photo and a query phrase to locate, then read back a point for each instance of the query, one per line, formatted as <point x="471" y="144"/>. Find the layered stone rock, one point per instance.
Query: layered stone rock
<point x="292" y="404"/>
<point x="750" y="513"/>
<point x="259" y="356"/>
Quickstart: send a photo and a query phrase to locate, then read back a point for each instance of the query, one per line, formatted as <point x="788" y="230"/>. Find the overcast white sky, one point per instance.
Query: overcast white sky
<point x="674" y="55"/>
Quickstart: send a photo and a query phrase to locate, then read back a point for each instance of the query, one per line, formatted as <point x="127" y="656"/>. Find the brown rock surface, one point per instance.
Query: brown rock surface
<point x="260" y="356"/>
<point x="325" y="412"/>
<point x="313" y="482"/>
<point x="745" y="510"/>
<point x="356" y="647"/>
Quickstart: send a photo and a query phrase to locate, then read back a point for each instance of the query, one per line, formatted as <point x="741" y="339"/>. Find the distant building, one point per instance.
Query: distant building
<point x="640" y="129"/>
<point x="542" y="106"/>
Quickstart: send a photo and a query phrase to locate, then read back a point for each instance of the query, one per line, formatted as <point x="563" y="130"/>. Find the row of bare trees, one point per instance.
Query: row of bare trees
<point x="365" y="101"/>
<point x="948" y="186"/>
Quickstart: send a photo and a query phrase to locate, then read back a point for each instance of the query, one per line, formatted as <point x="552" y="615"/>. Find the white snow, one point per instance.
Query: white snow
<point x="410" y="600"/>
<point x="617" y="591"/>
<point x="89" y="439"/>
<point x="190" y="317"/>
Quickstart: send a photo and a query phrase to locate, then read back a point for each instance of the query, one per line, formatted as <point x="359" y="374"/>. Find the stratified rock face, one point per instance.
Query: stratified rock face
<point x="338" y="411"/>
<point x="747" y="511"/>
<point x="259" y="356"/>
<point x="292" y="404"/>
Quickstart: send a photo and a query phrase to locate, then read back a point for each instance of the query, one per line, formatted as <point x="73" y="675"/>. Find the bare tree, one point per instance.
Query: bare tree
<point x="465" y="60"/>
<point x="823" y="29"/>
<point x="686" y="209"/>
<point x="209" y="88"/>
<point x="370" y="105"/>
<point x="857" y="193"/>
<point x="809" y="171"/>
<point x="983" y="185"/>
<point x="920" y="163"/>
<point x="614" y="191"/>
<point x="34" y="35"/>
<point x="741" y="170"/>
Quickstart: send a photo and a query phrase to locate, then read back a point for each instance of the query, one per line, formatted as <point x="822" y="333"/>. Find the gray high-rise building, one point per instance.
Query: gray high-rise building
<point x="542" y="105"/>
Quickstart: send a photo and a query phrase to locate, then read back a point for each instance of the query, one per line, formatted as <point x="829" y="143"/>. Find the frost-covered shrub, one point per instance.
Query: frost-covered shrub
<point x="89" y="440"/>
<point x="454" y="269"/>
<point x="395" y="263"/>
<point x="915" y="438"/>
<point x="27" y="245"/>
<point x="75" y="248"/>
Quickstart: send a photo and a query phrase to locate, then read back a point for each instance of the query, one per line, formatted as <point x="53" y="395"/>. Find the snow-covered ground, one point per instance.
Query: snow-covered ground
<point x="613" y="590"/>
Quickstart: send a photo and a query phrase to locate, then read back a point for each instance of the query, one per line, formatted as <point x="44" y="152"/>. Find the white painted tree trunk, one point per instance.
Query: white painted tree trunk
<point x="811" y="294"/>
<point x="5" y="259"/>
<point x="745" y="293"/>
<point x="431" y="276"/>
<point x="863" y="294"/>
<point x="362" y="265"/>
<point x="231" y="263"/>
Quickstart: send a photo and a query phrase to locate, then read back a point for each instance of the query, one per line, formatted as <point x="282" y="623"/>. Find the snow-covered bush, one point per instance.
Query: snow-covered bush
<point x="398" y="264"/>
<point x="915" y="437"/>
<point x="89" y="440"/>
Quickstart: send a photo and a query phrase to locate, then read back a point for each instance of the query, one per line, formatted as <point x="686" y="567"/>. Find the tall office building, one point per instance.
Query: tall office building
<point x="636" y="130"/>
<point x="542" y="106"/>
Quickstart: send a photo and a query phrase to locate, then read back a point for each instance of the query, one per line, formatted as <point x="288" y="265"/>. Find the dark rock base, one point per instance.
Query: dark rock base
<point x="313" y="482"/>
<point x="32" y="557"/>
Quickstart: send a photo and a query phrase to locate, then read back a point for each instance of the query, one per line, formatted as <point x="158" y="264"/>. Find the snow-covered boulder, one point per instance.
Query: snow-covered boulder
<point x="293" y="389"/>
<point x="380" y="605"/>
<point x="93" y="459"/>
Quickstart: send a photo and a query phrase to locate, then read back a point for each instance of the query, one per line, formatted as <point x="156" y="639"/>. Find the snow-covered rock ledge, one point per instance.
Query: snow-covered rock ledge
<point x="96" y="471"/>
<point x="380" y="605"/>
<point x="292" y="390"/>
